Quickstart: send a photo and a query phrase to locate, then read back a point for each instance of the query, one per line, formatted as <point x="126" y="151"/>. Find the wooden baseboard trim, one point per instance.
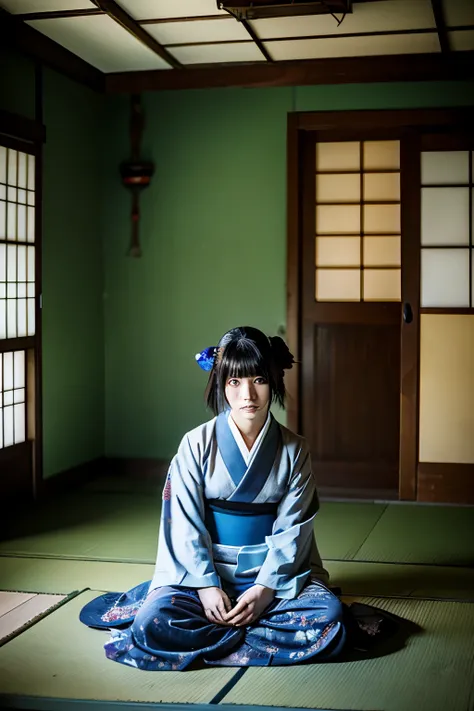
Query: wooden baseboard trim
<point x="355" y="476"/>
<point x="446" y="483"/>
<point x="120" y="467"/>
<point x="71" y="478"/>
<point x="327" y="493"/>
<point x="137" y="468"/>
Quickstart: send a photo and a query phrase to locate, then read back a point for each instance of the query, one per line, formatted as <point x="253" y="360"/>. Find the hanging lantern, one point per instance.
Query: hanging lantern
<point x="136" y="174"/>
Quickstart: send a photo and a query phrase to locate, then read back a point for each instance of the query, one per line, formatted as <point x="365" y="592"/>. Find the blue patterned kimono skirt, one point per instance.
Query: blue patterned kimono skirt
<point x="168" y="630"/>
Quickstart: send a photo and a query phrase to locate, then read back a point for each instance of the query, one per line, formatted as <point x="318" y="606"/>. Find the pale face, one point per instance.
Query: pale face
<point x="249" y="399"/>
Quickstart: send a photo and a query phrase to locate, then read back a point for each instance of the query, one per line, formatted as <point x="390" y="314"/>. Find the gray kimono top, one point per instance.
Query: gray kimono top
<point x="230" y="525"/>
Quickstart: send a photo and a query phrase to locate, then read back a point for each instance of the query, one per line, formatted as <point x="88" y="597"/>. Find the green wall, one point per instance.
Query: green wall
<point x="213" y="231"/>
<point x="17" y="83"/>
<point x="73" y="350"/>
<point x="73" y="346"/>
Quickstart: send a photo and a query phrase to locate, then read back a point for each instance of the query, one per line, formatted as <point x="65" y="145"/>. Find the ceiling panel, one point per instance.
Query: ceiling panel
<point x="366" y="17"/>
<point x="102" y="42"/>
<point x="151" y="9"/>
<point x="198" y="31"/>
<point x="212" y="53"/>
<point x="353" y="46"/>
<point x="458" y="12"/>
<point x="462" y="40"/>
<point x="22" y="6"/>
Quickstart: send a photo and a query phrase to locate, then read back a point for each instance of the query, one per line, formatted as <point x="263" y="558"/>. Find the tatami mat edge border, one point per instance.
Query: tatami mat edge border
<point x="70" y="596"/>
<point x="33" y="703"/>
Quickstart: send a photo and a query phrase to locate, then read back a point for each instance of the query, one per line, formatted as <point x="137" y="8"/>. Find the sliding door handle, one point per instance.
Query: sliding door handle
<point x="407" y="313"/>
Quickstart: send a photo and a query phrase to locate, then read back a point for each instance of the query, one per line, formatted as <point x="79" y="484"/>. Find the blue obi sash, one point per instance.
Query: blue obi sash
<point x="243" y="527"/>
<point x="233" y="524"/>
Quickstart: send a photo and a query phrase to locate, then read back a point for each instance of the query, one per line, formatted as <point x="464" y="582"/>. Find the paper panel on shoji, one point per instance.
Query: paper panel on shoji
<point x="382" y="251"/>
<point x="444" y="167"/>
<point x="447" y="388"/>
<point x="445" y="216"/>
<point x="445" y="278"/>
<point x="382" y="284"/>
<point x="337" y="285"/>
<point x="338" y="251"/>
<point x="12" y="398"/>
<point x="338" y="188"/>
<point x="338" y="156"/>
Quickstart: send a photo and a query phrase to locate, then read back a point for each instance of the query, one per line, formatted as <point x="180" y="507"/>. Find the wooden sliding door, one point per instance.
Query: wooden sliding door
<point x="351" y="311"/>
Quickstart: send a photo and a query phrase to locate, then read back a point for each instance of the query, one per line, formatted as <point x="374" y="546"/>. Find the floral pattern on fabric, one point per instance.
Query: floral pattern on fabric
<point x="121" y="613"/>
<point x="290" y="631"/>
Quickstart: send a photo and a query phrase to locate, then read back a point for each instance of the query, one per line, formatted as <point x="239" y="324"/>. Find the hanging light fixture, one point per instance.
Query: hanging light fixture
<point x="136" y="174"/>
<point x="259" y="9"/>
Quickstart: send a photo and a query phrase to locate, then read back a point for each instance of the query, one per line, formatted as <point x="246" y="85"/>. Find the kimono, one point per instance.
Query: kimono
<point x="230" y="519"/>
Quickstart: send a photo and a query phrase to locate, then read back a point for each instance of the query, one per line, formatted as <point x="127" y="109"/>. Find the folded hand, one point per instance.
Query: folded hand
<point x="216" y="604"/>
<point x="250" y="606"/>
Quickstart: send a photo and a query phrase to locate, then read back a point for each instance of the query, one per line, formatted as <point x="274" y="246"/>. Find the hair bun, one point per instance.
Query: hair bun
<point x="281" y="353"/>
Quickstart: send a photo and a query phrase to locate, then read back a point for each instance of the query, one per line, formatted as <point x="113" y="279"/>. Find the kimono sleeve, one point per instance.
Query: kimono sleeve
<point x="292" y="552"/>
<point x="184" y="556"/>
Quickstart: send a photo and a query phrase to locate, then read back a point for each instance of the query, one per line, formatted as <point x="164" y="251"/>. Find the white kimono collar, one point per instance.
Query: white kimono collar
<point x="247" y="454"/>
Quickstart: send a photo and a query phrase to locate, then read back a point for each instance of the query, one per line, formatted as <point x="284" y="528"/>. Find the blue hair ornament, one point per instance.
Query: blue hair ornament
<point x="205" y="359"/>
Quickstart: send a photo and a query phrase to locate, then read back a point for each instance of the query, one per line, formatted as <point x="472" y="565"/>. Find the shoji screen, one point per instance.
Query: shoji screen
<point x="447" y="300"/>
<point x="358" y="221"/>
<point x="17" y="288"/>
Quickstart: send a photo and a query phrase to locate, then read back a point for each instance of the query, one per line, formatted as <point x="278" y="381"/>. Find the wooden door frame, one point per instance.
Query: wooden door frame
<point x="29" y="135"/>
<point x="409" y="124"/>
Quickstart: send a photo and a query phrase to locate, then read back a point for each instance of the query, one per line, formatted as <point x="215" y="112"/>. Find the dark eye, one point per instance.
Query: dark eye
<point x="260" y="381"/>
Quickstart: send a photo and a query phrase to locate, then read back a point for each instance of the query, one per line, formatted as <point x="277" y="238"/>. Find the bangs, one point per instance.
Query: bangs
<point x="242" y="359"/>
<point x="244" y="352"/>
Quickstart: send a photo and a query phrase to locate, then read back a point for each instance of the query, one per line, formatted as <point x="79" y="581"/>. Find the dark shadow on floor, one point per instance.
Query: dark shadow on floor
<point x="373" y="633"/>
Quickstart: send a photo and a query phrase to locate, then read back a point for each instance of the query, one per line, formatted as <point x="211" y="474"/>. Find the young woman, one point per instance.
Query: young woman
<point x="238" y="578"/>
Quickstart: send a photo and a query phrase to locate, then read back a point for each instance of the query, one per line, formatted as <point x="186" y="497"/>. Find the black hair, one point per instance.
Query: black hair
<point x="245" y="352"/>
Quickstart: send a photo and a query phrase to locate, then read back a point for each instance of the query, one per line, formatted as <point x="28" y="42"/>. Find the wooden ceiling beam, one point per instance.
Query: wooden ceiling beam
<point x="114" y="11"/>
<point x="248" y="27"/>
<point x="21" y="127"/>
<point x="57" y="14"/>
<point x="16" y="34"/>
<point x="441" y="28"/>
<point x="197" y="18"/>
<point x="341" y="70"/>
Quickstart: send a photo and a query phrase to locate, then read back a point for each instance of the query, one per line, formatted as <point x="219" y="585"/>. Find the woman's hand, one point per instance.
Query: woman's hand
<point x="250" y="606"/>
<point x="216" y="604"/>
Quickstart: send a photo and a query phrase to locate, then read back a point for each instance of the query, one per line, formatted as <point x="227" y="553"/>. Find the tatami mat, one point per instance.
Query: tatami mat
<point x="61" y="658"/>
<point x="341" y="528"/>
<point x="392" y="579"/>
<point x="10" y="600"/>
<point x="54" y="575"/>
<point x="18" y="610"/>
<point x="434" y="672"/>
<point x="437" y="535"/>
<point x="124" y="528"/>
<point x="89" y="526"/>
<point x="115" y="527"/>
